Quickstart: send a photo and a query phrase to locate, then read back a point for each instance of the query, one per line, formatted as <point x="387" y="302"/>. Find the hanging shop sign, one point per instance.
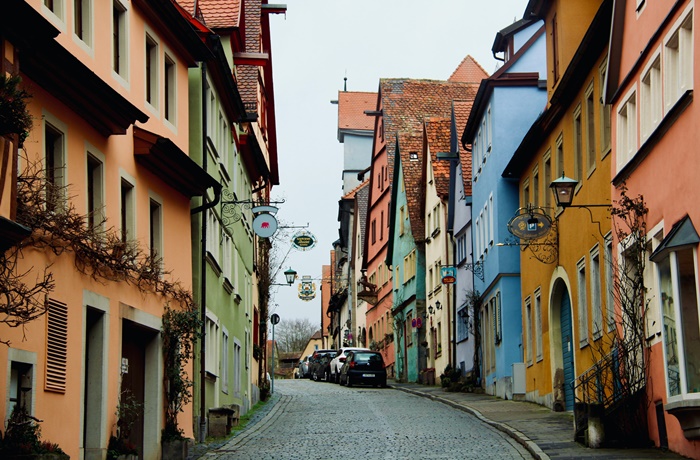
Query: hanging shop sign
<point x="417" y="323"/>
<point x="448" y="275"/>
<point x="265" y="224"/>
<point x="530" y="224"/>
<point x="303" y="241"/>
<point x="307" y="288"/>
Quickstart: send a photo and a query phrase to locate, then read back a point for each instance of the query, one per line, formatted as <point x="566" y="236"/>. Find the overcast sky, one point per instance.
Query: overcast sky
<point x="314" y="46"/>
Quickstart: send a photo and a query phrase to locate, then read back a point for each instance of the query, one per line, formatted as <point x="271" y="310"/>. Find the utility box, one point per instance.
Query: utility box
<point x="223" y="419"/>
<point x="518" y="380"/>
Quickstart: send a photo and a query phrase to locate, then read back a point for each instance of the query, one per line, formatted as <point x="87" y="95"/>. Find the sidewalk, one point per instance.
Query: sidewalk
<point x="543" y="432"/>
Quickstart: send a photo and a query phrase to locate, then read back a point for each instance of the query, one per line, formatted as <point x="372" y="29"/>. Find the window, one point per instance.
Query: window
<point x="127" y="220"/>
<point x="578" y="145"/>
<point x="627" y="130"/>
<point x="402" y="219"/>
<point x="678" y="51"/>
<point x="526" y="193"/>
<point x="223" y="364"/>
<point x="55" y="164"/>
<point x="381" y="225"/>
<point x="555" y="50"/>
<point x="82" y="20"/>
<point x="156" y="229"/>
<point x="538" y="324"/>
<point x="170" y="91"/>
<point x="463" y="324"/>
<point x="409" y="329"/>
<point x="605" y="111"/>
<point x="461" y="248"/>
<point x="547" y="179"/>
<point x="226" y="255"/>
<point x="119" y="39"/>
<point x="491" y="226"/>
<point x="528" y="330"/>
<point x="536" y="186"/>
<point x="582" y="303"/>
<point x="650" y="110"/>
<point x="211" y="359"/>
<point x="596" y="301"/>
<point x="677" y="279"/>
<point x="373" y="230"/>
<point x="409" y="266"/>
<point x="560" y="155"/>
<point x="95" y="192"/>
<point x="609" y="299"/>
<point x="590" y="129"/>
<point x="151" y="71"/>
<point x="55" y="7"/>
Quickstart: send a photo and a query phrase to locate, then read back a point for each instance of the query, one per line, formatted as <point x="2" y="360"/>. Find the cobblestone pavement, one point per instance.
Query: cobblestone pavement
<point x="318" y="420"/>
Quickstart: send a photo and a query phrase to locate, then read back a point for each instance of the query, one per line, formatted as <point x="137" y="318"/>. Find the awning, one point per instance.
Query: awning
<point x="682" y="235"/>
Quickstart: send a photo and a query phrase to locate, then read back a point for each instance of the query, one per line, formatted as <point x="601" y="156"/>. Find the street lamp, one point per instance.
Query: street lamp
<point x="564" y="188"/>
<point x="290" y="275"/>
<point x="438" y="305"/>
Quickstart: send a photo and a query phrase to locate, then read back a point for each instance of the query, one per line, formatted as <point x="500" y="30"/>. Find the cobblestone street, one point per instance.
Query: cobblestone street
<point x="318" y="420"/>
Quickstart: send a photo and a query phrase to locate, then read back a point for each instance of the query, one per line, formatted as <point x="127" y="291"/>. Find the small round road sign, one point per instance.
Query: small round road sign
<point x="275" y="318"/>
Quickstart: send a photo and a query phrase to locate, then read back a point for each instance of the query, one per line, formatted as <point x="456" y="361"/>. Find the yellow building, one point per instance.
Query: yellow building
<point x="564" y="302"/>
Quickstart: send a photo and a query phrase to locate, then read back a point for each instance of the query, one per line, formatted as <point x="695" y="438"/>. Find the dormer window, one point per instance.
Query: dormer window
<point x="413" y="156"/>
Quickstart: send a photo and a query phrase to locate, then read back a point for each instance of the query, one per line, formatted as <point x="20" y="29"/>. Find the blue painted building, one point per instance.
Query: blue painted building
<point x="505" y="107"/>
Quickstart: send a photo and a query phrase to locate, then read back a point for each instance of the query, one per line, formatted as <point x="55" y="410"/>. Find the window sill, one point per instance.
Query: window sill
<point x="687" y="411"/>
<point x="213" y="263"/>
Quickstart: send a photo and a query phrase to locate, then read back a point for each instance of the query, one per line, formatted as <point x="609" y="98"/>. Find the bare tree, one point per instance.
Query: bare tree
<point x="293" y="334"/>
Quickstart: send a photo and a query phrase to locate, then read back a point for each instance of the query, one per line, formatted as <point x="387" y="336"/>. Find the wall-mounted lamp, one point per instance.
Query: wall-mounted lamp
<point x="431" y="309"/>
<point x="290" y="275"/>
<point x="438" y="305"/>
<point x="564" y="188"/>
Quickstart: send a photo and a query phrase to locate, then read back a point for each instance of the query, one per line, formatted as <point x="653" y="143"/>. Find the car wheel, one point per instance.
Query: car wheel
<point x="349" y="382"/>
<point x="326" y="376"/>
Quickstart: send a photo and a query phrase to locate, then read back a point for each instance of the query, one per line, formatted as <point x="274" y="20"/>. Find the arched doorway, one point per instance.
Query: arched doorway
<point x="562" y="346"/>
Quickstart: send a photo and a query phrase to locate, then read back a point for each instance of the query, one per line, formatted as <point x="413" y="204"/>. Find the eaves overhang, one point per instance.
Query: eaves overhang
<point x="49" y="65"/>
<point x="170" y="164"/>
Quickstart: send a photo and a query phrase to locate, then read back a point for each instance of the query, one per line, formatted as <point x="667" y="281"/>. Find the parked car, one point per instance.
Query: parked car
<point x="322" y="367"/>
<point x="364" y="368"/>
<point x="304" y="371"/>
<point x="339" y="359"/>
<point x="314" y="360"/>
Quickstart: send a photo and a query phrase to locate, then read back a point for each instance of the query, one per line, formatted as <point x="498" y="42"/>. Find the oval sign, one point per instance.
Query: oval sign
<point x="530" y="226"/>
<point x="264" y="225"/>
<point x="303" y="241"/>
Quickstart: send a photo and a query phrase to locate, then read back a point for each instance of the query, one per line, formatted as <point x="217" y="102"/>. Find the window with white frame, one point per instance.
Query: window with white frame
<point x="528" y="330"/>
<point x="536" y="186"/>
<point x="538" y="323"/>
<point x="211" y="360"/>
<point x="82" y="20"/>
<point x="627" y="130"/>
<point x="127" y="210"/>
<point x="578" y="144"/>
<point x="590" y="129"/>
<point x="151" y="56"/>
<point x="55" y="164"/>
<point x="223" y="360"/>
<point x="463" y="323"/>
<point x="596" y="301"/>
<point x="489" y="130"/>
<point x="226" y="256"/>
<point x="582" y="302"/>
<point x="170" y="89"/>
<point x="560" y="154"/>
<point x="213" y="235"/>
<point x="56" y="7"/>
<point x="491" y="223"/>
<point x="95" y="191"/>
<point x="237" y="367"/>
<point x="681" y="327"/>
<point x="461" y="248"/>
<point x="650" y="109"/>
<point x="605" y="111"/>
<point x="120" y="39"/>
<point x="678" y="61"/>
<point x="547" y="161"/>
<point x="402" y="219"/>
<point x="609" y="293"/>
<point x="526" y="193"/>
<point x="156" y="228"/>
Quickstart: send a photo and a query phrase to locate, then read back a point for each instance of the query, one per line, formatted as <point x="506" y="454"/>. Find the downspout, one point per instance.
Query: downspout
<point x="203" y="268"/>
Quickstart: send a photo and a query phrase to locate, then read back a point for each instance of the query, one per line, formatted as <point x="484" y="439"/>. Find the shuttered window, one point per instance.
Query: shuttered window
<point x="56" y="346"/>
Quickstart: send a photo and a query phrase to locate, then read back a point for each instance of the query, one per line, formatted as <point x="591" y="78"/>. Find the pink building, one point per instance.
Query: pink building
<point x="652" y="73"/>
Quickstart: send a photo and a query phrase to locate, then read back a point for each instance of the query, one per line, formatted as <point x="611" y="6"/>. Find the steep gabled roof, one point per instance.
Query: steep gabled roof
<point x="410" y="148"/>
<point x="461" y="111"/>
<point x="406" y="103"/>
<point x="361" y="203"/>
<point x="437" y="139"/>
<point x="215" y="14"/>
<point x="351" y="111"/>
<point x="468" y="71"/>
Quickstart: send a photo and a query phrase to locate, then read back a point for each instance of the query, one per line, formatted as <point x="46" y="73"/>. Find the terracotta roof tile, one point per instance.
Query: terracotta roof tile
<point x="215" y="13"/>
<point x="353" y="192"/>
<point x="462" y="109"/>
<point x="437" y="139"/>
<point x="351" y="108"/>
<point x="406" y="103"/>
<point x="410" y="143"/>
<point x="247" y="74"/>
<point x="469" y="71"/>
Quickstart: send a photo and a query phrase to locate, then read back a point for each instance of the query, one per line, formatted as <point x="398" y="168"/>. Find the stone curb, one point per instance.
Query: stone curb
<point x="518" y="436"/>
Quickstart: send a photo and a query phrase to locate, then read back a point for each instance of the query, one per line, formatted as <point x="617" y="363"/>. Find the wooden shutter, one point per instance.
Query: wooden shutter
<point x="56" y="346"/>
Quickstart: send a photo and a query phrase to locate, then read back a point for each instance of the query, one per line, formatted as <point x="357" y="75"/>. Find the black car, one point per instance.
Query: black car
<point x="322" y="366"/>
<point x="315" y="361"/>
<point x="363" y="368"/>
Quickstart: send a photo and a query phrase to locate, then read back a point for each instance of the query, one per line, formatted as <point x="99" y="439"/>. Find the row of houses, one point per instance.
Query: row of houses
<point x="136" y="137"/>
<point x="531" y="232"/>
